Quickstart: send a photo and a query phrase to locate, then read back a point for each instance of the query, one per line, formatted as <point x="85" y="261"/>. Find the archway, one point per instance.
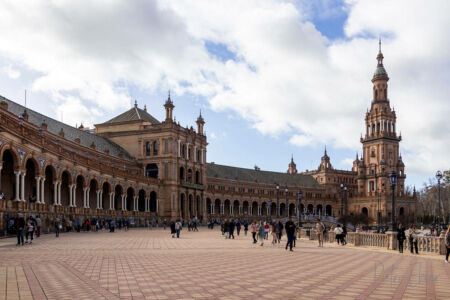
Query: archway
<point x="141" y="200"/>
<point x="329" y="210"/>
<point x="153" y="200"/>
<point x="273" y="209"/>
<point x="197" y="177"/>
<point x="236" y="208"/>
<point x="401" y="211"/>
<point x="8" y="182"/>
<point x="197" y="206"/>
<point x="183" y="205"/>
<point x="208" y="206"/>
<point x="217" y="207"/>
<point x="310" y="209"/>
<point x="282" y="210"/>
<point x="49" y="187"/>
<point x="181" y="174"/>
<point x="66" y="180"/>
<point x="292" y="211"/>
<point x="151" y="170"/>
<point x="264" y="209"/>
<point x="105" y="195"/>
<point x="245" y="208"/>
<point x="226" y="208"/>
<point x="254" y="208"/>
<point x="365" y="211"/>
<point x="189" y="176"/>
<point x="130" y="199"/>
<point x="319" y="209"/>
<point x="30" y="180"/>
<point x="79" y="191"/>
<point x="191" y="206"/>
<point x="118" y="190"/>
<point x="93" y="186"/>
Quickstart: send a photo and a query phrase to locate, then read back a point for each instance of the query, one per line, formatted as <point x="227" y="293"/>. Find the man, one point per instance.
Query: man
<point x="165" y="224"/>
<point x="231" y="226"/>
<point x="20" y="226"/>
<point x="320" y="228"/>
<point x="280" y="231"/>
<point x="57" y="226"/>
<point x="238" y="227"/>
<point x="178" y="227"/>
<point x="38" y="226"/>
<point x="290" y="232"/>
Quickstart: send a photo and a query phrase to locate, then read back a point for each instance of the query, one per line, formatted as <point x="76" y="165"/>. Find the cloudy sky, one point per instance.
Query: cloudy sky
<point x="272" y="78"/>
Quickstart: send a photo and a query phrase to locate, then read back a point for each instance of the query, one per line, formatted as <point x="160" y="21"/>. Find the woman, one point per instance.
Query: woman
<point x="254" y="229"/>
<point x="274" y="234"/>
<point x="245" y="228"/>
<point x="261" y="232"/>
<point x="172" y="229"/>
<point x="447" y="243"/>
<point x="401" y="237"/>
<point x="338" y="230"/>
<point x="29" y="230"/>
<point x="413" y="239"/>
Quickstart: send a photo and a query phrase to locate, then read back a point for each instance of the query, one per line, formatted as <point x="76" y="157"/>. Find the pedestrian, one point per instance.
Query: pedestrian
<point x="266" y="231"/>
<point x="78" y="225"/>
<point x="274" y="233"/>
<point x="320" y="228"/>
<point x="173" y="231"/>
<point x="112" y="226"/>
<point x="413" y="239"/>
<point x="261" y="232"/>
<point x="401" y="237"/>
<point x="226" y="229"/>
<point x="165" y="224"/>
<point x="245" y="228"/>
<point x="280" y="231"/>
<point x="238" y="227"/>
<point x="20" y="227"/>
<point x="254" y="229"/>
<point x="58" y="226"/>
<point x="231" y="226"/>
<point x="338" y="230"/>
<point x="447" y="243"/>
<point x="344" y="235"/>
<point x="178" y="228"/>
<point x="38" y="226"/>
<point x="290" y="232"/>
<point x="29" y="230"/>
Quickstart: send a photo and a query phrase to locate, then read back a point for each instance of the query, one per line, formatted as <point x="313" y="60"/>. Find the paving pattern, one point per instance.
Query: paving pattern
<point x="149" y="264"/>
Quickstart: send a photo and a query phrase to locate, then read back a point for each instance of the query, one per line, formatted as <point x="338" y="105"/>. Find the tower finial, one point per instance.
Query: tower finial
<point x="325" y="150"/>
<point x="135" y="103"/>
<point x="379" y="44"/>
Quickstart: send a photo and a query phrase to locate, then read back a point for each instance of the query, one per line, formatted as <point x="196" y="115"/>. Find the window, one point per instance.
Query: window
<point x="147" y="148"/>
<point x="155" y="148"/>
<point x="183" y="151"/>
<point x="166" y="146"/>
<point x="166" y="171"/>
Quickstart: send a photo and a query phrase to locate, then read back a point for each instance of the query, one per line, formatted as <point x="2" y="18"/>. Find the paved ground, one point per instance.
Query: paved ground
<point x="143" y="264"/>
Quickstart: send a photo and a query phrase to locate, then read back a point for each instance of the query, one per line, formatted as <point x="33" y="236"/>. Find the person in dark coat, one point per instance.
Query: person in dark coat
<point x="173" y="231"/>
<point x="344" y="235"/>
<point x="290" y="232"/>
<point x="238" y="227"/>
<point x="280" y="231"/>
<point x="226" y="229"/>
<point x="231" y="226"/>
<point x="401" y="237"/>
<point x="20" y="227"/>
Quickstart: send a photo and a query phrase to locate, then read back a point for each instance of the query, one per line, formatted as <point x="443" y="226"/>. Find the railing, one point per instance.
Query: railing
<point x="193" y="185"/>
<point x="373" y="240"/>
<point x="431" y="244"/>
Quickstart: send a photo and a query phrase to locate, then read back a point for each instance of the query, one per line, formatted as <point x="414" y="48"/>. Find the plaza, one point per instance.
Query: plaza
<point x="149" y="264"/>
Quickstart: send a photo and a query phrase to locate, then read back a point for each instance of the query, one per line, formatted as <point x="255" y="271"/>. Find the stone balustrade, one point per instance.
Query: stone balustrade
<point x="427" y="244"/>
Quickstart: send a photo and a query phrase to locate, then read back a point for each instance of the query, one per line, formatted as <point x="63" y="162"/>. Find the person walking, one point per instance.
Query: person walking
<point x="165" y="224"/>
<point x="254" y="229"/>
<point x="280" y="231"/>
<point x="20" y="227"/>
<point x="290" y="232"/>
<point x="178" y="228"/>
<point x="245" y="228"/>
<point x="38" y="226"/>
<point x="344" y="235"/>
<point x="447" y="243"/>
<point x="274" y="234"/>
<point x="231" y="226"/>
<point x="261" y="232"/>
<point x="266" y="230"/>
<point x="320" y="228"/>
<point x="58" y="226"/>
<point x="29" y="231"/>
<point x="338" y="230"/>
<point x="413" y="239"/>
<point x="401" y="237"/>
<point x="238" y="227"/>
<point x="173" y="231"/>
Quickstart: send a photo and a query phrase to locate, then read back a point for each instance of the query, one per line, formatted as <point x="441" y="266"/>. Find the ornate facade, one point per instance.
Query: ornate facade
<point x="134" y="166"/>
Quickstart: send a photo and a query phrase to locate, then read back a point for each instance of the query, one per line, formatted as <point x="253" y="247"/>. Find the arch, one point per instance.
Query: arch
<point x="79" y="191"/>
<point x="49" y="187"/>
<point x="236" y="208"/>
<point x="264" y="209"/>
<point x="273" y="209"/>
<point x="319" y="209"/>
<point x="8" y="179"/>
<point x="365" y="211"/>
<point x="328" y="210"/>
<point x="401" y="211"/>
<point x="14" y="155"/>
<point x="151" y="170"/>
<point x="106" y="188"/>
<point x="118" y="191"/>
<point x="292" y="211"/>
<point x="226" y="207"/>
<point x="93" y="187"/>
<point x="245" y="208"/>
<point x="141" y="200"/>
<point x="153" y="200"/>
<point x="66" y="181"/>
<point x="181" y="174"/>
<point x="309" y="209"/>
<point x="189" y="175"/>
<point x="32" y="170"/>
<point x="148" y="149"/>
<point x="208" y="206"/>
<point x="254" y="208"/>
<point x="197" y="177"/>
<point x="217" y="203"/>
<point x="282" y="210"/>
<point x="129" y="202"/>
<point x="155" y="148"/>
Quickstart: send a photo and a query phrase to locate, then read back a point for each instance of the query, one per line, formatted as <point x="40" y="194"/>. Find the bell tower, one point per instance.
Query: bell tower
<point x="381" y="142"/>
<point x="169" y="109"/>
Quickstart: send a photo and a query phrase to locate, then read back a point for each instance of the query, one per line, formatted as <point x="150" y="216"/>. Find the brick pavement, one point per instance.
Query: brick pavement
<point x="144" y="264"/>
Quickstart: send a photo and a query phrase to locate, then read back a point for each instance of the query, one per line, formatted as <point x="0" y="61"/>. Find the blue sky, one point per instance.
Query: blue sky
<point x="272" y="78"/>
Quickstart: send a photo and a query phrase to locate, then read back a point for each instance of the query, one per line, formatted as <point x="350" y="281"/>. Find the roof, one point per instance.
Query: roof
<point x="70" y="133"/>
<point x="235" y="173"/>
<point x="134" y="114"/>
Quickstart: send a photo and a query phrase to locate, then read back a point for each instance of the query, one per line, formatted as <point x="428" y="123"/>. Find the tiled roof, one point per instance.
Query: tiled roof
<point x="70" y="133"/>
<point x="134" y="114"/>
<point x="250" y="175"/>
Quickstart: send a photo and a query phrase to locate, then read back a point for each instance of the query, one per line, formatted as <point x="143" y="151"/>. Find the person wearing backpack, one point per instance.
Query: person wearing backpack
<point x="178" y="227"/>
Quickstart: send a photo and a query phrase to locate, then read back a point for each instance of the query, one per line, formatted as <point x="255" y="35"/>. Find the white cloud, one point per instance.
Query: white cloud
<point x="287" y="78"/>
<point x="11" y="72"/>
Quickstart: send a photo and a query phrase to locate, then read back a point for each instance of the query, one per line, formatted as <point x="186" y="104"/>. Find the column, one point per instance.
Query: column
<point x="55" y="194"/>
<point x="124" y="202"/>
<point x="42" y="190"/>
<point x="71" y="195"/>
<point x="97" y="192"/>
<point x="17" y="173"/>
<point x="1" y="166"/>
<point x="85" y="198"/>
<point x="195" y="153"/>
<point x="231" y="209"/>
<point x="179" y="148"/>
<point x="259" y="210"/>
<point x="250" y="208"/>
<point x="135" y="206"/>
<point x="38" y="189"/>
<point x="146" y="205"/>
<point x="59" y="193"/>
<point x="111" y="201"/>
<point x="22" y="187"/>
<point x="268" y="210"/>
<point x="157" y="205"/>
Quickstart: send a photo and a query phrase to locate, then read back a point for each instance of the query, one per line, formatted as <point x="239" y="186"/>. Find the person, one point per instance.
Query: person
<point x="266" y="231"/>
<point x="226" y="229"/>
<point x="165" y="224"/>
<point x="245" y="228"/>
<point x="38" y="226"/>
<point x="280" y="231"/>
<point x="413" y="239"/>
<point x="20" y="227"/>
<point x="78" y="225"/>
<point x="254" y="229"/>
<point x="320" y="228"/>
<point x="238" y="227"/>
<point x="173" y="231"/>
<point x="447" y="243"/>
<point x="261" y="232"/>
<point x="344" y="235"/>
<point x="58" y="227"/>
<point x="290" y="232"/>
<point x="401" y="237"/>
<point x="178" y="228"/>
<point x="112" y="226"/>
<point x="338" y="230"/>
<point x="195" y="224"/>
<point x="29" y="230"/>
<point x="274" y="234"/>
<point x="231" y="226"/>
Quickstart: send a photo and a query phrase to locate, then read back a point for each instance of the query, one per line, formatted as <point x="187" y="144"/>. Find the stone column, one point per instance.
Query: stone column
<point x="22" y="187"/>
<point x="85" y="198"/>
<point x="38" y="189"/>
<point x="111" y="201"/>
<point x="231" y="210"/>
<point x="392" y="240"/>
<point x="157" y="205"/>
<point x="17" y="173"/>
<point x="55" y="194"/>
<point x="135" y="203"/>
<point x="59" y="193"/>
<point x="97" y="192"/>
<point x="1" y="166"/>
<point x="42" y="190"/>
<point x="71" y="195"/>
<point x="124" y="204"/>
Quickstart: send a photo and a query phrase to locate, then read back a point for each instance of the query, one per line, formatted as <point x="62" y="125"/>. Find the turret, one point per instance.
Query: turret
<point x="169" y="109"/>
<point x="200" y="124"/>
<point x="292" y="168"/>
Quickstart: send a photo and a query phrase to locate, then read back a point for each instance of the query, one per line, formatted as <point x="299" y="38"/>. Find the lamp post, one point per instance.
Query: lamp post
<point x="379" y="212"/>
<point x="439" y="177"/>
<point x="299" y="201"/>
<point x="278" y="200"/>
<point x="343" y="188"/>
<point x="286" y="190"/>
<point x="393" y="179"/>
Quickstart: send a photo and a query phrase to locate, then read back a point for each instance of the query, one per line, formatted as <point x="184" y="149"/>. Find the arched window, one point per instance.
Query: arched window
<point x="181" y="174"/>
<point x="155" y="148"/>
<point x="151" y="170"/>
<point x="183" y="151"/>
<point x="189" y="176"/>
<point x="147" y="148"/>
<point x="197" y="177"/>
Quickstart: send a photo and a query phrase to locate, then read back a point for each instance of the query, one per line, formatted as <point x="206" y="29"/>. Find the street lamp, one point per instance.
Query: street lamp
<point x="299" y="201"/>
<point x="439" y="177"/>
<point x="343" y="189"/>
<point x="393" y="179"/>
<point x="287" y="206"/>
<point x="278" y="200"/>
<point x="379" y="212"/>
